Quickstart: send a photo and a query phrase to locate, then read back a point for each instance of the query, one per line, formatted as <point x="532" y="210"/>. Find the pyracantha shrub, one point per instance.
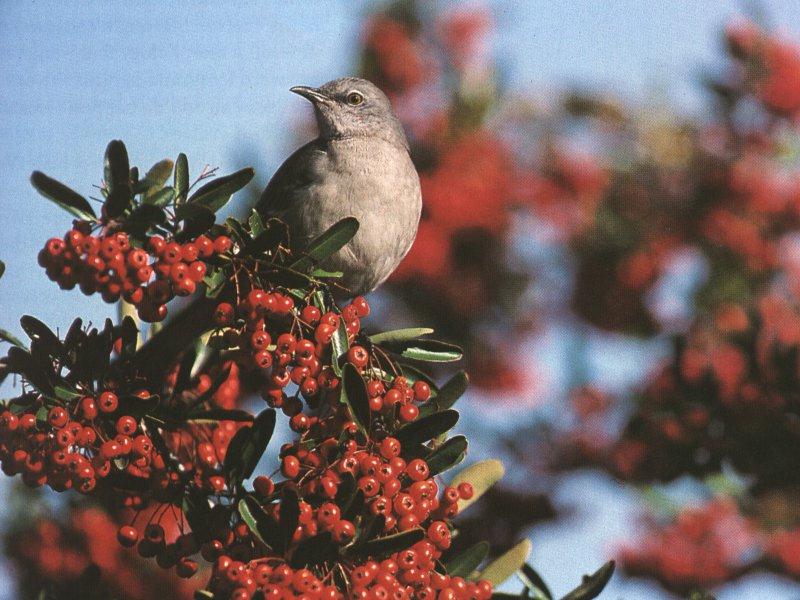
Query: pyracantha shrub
<point x="357" y="507"/>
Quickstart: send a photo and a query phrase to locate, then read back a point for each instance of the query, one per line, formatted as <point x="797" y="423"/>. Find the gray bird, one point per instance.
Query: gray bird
<point x="359" y="166"/>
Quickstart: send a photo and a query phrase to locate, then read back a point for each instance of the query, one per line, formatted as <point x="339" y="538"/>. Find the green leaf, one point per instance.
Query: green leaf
<point x="40" y="332"/>
<point x="246" y="512"/>
<point x="323" y="274"/>
<point x="256" y="224"/>
<point x="534" y="582"/>
<point x="592" y="584"/>
<point x="215" y="282"/>
<point x="447" y="455"/>
<point x="180" y="181"/>
<point x="400" y="335"/>
<point x="216" y="193"/>
<point x="427" y="428"/>
<point x="233" y="464"/>
<point x="389" y="544"/>
<point x="482" y="475"/>
<point x="7" y="336"/>
<point x="465" y="563"/>
<point x="339" y="345"/>
<point x="354" y="395"/>
<point x="330" y="242"/>
<point x="447" y="395"/>
<point x="196" y="220"/>
<point x="160" y="198"/>
<point x="156" y="177"/>
<point x="57" y="192"/>
<point x="118" y="179"/>
<point x="260" y="435"/>
<point x="2" y="268"/>
<point x="66" y="393"/>
<point x="424" y="350"/>
<point x="506" y="565"/>
<point x="21" y="362"/>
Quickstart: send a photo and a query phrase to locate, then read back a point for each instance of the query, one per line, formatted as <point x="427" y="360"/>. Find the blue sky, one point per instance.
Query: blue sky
<point x="211" y="79"/>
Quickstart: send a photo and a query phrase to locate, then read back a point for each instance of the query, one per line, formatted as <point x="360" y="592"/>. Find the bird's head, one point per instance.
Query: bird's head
<point x="352" y="107"/>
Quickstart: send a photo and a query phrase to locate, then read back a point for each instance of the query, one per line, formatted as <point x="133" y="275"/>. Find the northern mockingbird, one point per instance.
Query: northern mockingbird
<point x="359" y="166"/>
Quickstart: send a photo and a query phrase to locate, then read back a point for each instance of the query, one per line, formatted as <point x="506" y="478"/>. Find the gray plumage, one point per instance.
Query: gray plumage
<point x="358" y="166"/>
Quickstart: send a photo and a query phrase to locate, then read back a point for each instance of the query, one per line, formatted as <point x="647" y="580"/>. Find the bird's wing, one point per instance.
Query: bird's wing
<point x="295" y="174"/>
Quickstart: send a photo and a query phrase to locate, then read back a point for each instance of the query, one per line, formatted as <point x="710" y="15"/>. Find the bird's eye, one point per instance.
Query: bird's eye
<point x="354" y="98"/>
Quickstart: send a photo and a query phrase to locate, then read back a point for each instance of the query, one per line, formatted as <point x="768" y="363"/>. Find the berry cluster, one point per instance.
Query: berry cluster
<point x="110" y="263"/>
<point x="407" y="575"/>
<point x="74" y="446"/>
<point x="154" y="432"/>
<point x="267" y="334"/>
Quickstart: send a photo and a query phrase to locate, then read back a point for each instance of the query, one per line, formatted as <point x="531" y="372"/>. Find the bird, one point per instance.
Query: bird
<point x="358" y="166"/>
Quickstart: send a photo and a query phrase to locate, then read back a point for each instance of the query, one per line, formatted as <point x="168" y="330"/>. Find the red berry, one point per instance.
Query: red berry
<point x="57" y="417"/>
<point x="127" y="536"/>
<point x="422" y="391"/>
<point x="311" y="315"/>
<point x="263" y="486"/>
<point x="465" y="490"/>
<point x="358" y="357"/>
<point x="222" y="244"/>
<point x="290" y="467"/>
<point x="108" y="402"/>
<point x="408" y="412"/>
<point x="223" y="314"/>
<point x="361" y="305"/>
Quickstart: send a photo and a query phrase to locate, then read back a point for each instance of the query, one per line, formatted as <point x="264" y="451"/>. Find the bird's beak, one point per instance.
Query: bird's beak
<point x="310" y="93"/>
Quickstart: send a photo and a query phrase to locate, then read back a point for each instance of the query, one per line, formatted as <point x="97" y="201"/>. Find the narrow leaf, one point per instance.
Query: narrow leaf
<point x="506" y="565"/>
<point x="354" y="395"/>
<point x="65" y="393"/>
<point x="66" y="198"/>
<point x="260" y="435"/>
<point x="447" y="455"/>
<point x="400" y="335"/>
<point x="256" y="224"/>
<point x="330" y="242"/>
<point x="118" y="179"/>
<point x="181" y="178"/>
<point x="465" y="563"/>
<point x="447" y="395"/>
<point x="161" y="197"/>
<point x="216" y="193"/>
<point x="7" y="336"/>
<point x="156" y="177"/>
<point x="380" y="547"/>
<point x="427" y="428"/>
<point x="339" y="345"/>
<point x="534" y="582"/>
<point x="424" y="350"/>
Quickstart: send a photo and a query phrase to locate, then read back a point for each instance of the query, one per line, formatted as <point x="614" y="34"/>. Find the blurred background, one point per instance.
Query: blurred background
<point x="611" y="228"/>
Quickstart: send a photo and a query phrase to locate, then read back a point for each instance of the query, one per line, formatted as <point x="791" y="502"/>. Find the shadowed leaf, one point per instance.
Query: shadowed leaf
<point x="66" y="198"/>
